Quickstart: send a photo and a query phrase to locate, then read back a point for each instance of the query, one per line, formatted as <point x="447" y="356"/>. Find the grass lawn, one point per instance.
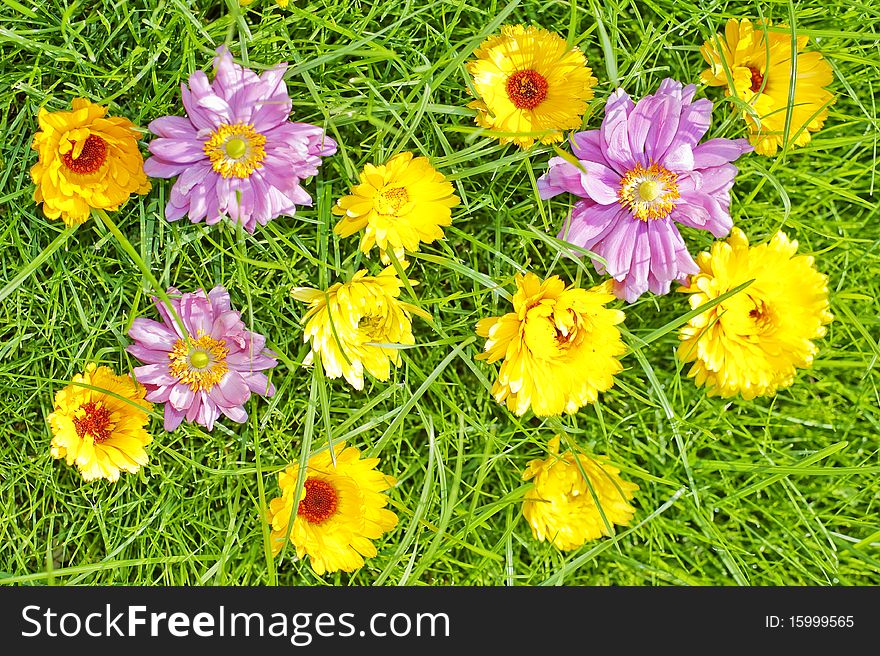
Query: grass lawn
<point x="779" y="490"/>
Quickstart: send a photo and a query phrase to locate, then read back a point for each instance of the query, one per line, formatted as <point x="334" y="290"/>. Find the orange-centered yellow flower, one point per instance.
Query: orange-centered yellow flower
<point x="753" y="342"/>
<point x="102" y="430"/>
<point x="531" y="85"/>
<point x="357" y="325"/>
<point x="561" y="506"/>
<point x="755" y="65"/>
<point x="398" y="205"/>
<point x="559" y="346"/>
<point x="86" y="160"/>
<point x="340" y="511"/>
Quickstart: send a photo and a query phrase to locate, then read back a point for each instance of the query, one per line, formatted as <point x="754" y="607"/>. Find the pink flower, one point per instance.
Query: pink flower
<point x="638" y="176"/>
<point x="215" y="372"/>
<point x="236" y="153"/>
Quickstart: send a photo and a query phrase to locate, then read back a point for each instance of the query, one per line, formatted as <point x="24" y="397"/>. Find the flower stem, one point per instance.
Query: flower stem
<point x="144" y="269"/>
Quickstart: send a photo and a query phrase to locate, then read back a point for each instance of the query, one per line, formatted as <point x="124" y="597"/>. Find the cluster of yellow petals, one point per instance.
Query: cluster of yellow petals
<point x="753" y="342"/>
<point x="102" y="430"/>
<point x="531" y="85"/>
<point x="398" y="205"/>
<point x="357" y="325"/>
<point x="559" y="346"/>
<point x="561" y="506"/>
<point x="86" y="160"/>
<point x="337" y="528"/>
<point x="755" y="64"/>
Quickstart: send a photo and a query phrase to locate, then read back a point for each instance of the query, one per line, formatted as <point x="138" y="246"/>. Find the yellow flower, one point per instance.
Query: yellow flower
<point x="531" y="85"/>
<point x="752" y="343"/>
<point x="398" y="205"/>
<point x="561" y="508"/>
<point x="759" y="65"/>
<point x="101" y="430"/>
<point x="559" y="346"/>
<point x="340" y="511"/>
<point x="86" y="160"/>
<point x="355" y="325"/>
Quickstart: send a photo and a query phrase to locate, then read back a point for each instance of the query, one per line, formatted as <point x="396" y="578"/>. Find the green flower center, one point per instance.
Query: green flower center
<point x="236" y="148"/>
<point x="199" y="359"/>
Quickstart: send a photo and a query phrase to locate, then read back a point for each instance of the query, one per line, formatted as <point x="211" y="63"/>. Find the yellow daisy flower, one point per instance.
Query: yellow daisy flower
<point x="355" y="325"/>
<point x="559" y="346"/>
<point x="398" y="204"/>
<point x="102" y="431"/>
<point x="86" y="160"/>
<point x="752" y="343"/>
<point x="561" y="508"/>
<point x="340" y="512"/>
<point x="759" y="65"/>
<point x="531" y="85"/>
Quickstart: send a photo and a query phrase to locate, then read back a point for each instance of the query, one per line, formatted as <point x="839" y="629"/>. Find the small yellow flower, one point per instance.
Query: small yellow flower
<point x="559" y="346"/>
<point x="531" y="85"/>
<point x="398" y="204"/>
<point x="356" y="325"/>
<point x="103" y="430"/>
<point x="561" y="507"/>
<point x="758" y="72"/>
<point x="86" y="160"/>
<point x="340" y="512"/>
<point x="752" y="343"/>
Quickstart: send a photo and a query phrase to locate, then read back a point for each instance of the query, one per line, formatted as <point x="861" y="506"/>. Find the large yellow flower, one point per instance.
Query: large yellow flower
<point x="561" y="507"/>
<point x="340" y="511"/>
<point x="103" y="430"/>
<point x="755" y="65"/>
<point x="355" y="325"/>
<point x="86" y="160"/>
<point x="398" y="205"/>
<point x="559" y="346"/>
<point x="752" y="343"/>
<point x="531" y="85"/>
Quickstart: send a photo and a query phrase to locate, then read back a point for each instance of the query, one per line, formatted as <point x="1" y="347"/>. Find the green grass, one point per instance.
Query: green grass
<point x="780" y="490"/>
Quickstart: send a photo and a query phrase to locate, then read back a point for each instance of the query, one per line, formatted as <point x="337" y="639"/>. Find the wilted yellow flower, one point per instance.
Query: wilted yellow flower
<point x="752" y="343"/>
<point x="559" y="346"/>
<point x="531" y="84"/>
<point x="86" y="160"/>
<point x="97" y="430"/>
<point x="398" y="205"/>
<point x="759" y="66"/>
<point x="560" y="506"/>
<point x="356" y="325"/>
<point x="340" y="511"/>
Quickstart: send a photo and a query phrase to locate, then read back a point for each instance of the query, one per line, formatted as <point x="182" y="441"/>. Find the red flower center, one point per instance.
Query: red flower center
<point x="95" y="422"/>
<point x="757" y="80"/>
<point x="526" y="89"/>
<point x="320" y="502"/>
<point x="93" y="155"/>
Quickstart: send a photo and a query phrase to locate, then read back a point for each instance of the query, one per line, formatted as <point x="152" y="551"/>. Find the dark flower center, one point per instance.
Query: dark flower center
<point x="320" y="502"/>
<point x="93" y="155"/>
<point x="95" y="421"/>
<point x="757" y="79"/>
<point x="526" y="89"/>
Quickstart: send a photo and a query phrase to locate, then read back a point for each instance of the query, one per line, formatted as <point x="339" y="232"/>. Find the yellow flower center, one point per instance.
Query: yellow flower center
<point x="649" y="193"/>
<point x="93" y="419"/>
<point x="527" y="89"/>
<point x="90" y="158"/>
<point x="320" y="502"/>
<point x="763" y="316"/>
<point x="236" y="151"/>
<point x="390" y="200"/>
<point x="201" y="364"/>
<point x="371" y="324"/>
